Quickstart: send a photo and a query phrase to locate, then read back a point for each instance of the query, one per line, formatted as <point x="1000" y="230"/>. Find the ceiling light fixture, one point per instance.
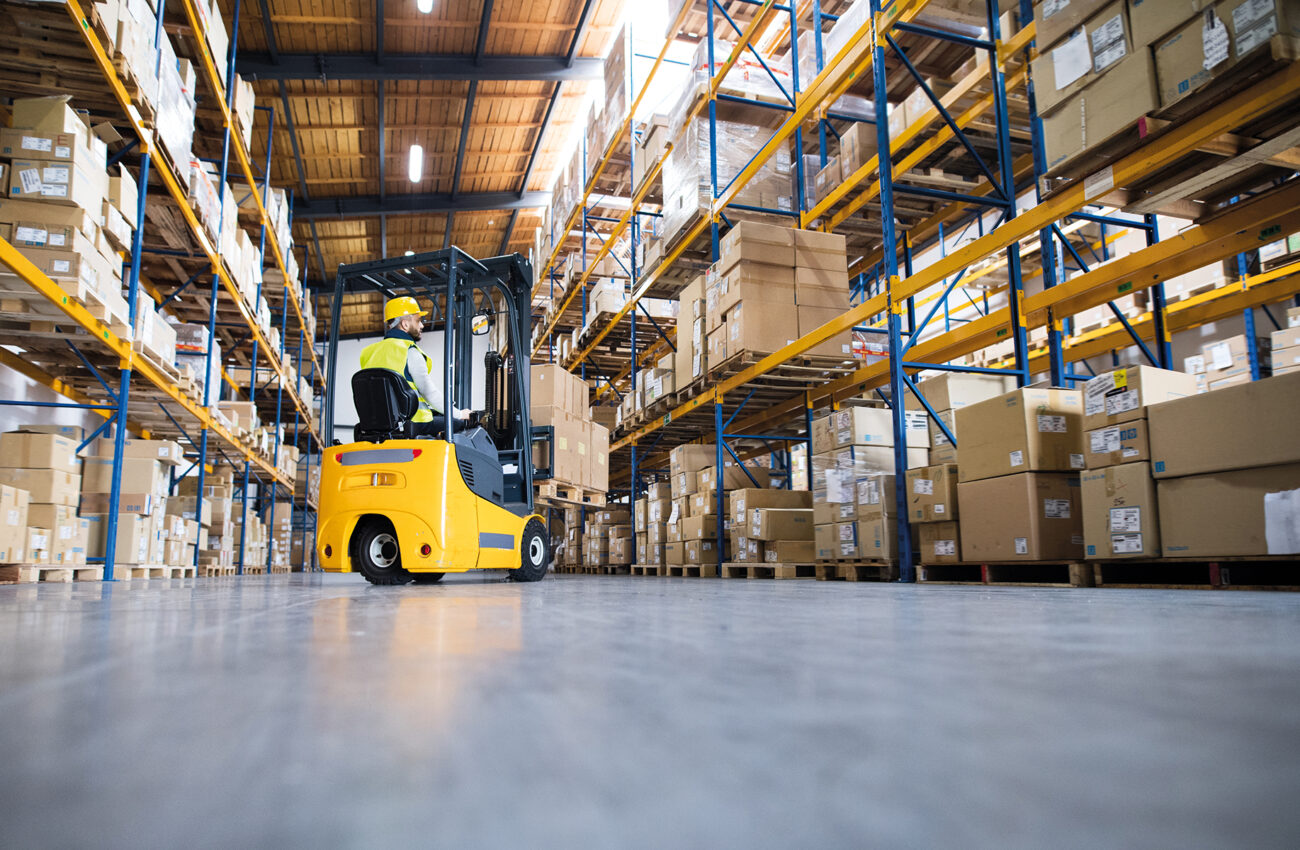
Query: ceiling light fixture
<point x="415" y="166"/>
<point x="425" y="6"/>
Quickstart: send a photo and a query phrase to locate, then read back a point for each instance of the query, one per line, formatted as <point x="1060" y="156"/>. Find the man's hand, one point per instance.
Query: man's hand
<point x="462" y="415"/>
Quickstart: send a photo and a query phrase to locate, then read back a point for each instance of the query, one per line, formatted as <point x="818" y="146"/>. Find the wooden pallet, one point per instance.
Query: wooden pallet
<point x="1023" y="573"/>
<point x="691" y="570"/>
<point x="859" y="570"/>
<point x="649" y="570"/>
<point x="141" y="572"/>
<point x="1266" y="572"/>
<point x="212" y="570"/>
<point x="254" y="571"/>
<point x="768" y="570"/>
<point x="59" y="573"/>
<point x="561" y="493"/>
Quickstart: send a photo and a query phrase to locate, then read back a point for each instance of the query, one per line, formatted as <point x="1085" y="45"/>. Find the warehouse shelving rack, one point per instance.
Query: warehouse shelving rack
<point x="95" y="347"/>
<point x="888" y="305"/>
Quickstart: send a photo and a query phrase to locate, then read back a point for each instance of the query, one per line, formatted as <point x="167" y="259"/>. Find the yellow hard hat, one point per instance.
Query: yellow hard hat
<point x="403" y="306"/>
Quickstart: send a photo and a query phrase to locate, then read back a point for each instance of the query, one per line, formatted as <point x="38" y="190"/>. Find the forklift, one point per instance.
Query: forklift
<point x="398" y="508"/>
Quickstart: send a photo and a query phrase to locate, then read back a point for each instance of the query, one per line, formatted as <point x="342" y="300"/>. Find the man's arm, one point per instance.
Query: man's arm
<point x="427" y="387"/>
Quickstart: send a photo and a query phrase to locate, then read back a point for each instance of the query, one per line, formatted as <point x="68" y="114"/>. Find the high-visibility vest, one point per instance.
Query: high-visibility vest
<point x="390" y="353"/>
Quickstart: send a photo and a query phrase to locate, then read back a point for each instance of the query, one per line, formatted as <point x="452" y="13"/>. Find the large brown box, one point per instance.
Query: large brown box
<point x="699" y="527"/>
<point x="139" y="475"/>
<point x="1182" y="63"/>
<point x="942" y="449"/>
<point x="44" y="485"/>
<point x="39" y="451"/>
<point x="940" y="543"/>
<point x="1026" y="430"/>
<point x="745" y="500"/>
<point x="760" y="328"/>
<point x="1120" y="518"/>
<point x="826" y="543"/>
<point x="675" y="553"/>
<point x="932" y="493"/>
<point x="957" y="389"/>
<point x="789" y="551"/>
<point x="163" y="451"/>
<point x="1250" y="425"/>
<point x="1063" y="71"/>
<point x="686" y="348"/>
<point x="692" y="458"/>
<point x="1032" y="516"/>
<point x="754" y="242"/>
<point x="811" y="318"/>
<point x="1116" y="444"/>
<point x="1227" y="514"/>
<point x="1112" y="104"/>
<point x="781" y="524"/>
<point x="700" y="551"/>
<point x="143" y="504"/>
<point x="1123" y="395"/>
<point x="815" y="249"/>
<point x="877" y="497"/>
<point x="753" y="282"/>
<point x="877" y="538"/>
<point x="733" y="477"/>
<point x="1054" y="20"/>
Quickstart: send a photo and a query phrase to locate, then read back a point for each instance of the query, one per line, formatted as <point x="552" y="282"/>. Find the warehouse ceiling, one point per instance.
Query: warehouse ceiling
<point x="490" y="89"/>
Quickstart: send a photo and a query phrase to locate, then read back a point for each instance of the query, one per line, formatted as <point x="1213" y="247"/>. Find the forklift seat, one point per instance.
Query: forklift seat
<point x="385" y="404"/>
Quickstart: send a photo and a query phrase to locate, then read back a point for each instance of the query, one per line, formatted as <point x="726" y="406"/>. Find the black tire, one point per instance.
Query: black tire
<point x="534" y="553"/>
<point x="427" y="578"/>
<point x="376" y="555"/>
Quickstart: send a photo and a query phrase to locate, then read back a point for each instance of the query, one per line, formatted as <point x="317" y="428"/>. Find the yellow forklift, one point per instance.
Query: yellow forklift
<point x="399" y="508"/>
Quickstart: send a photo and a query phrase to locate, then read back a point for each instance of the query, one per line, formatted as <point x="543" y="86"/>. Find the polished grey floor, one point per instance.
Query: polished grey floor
<point x="612" y="711"/>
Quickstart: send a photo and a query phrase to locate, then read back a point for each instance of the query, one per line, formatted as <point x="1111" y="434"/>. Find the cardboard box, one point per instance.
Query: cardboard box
<point x="754" y="282"/>
<point x="865" y="426"/>
<point x="876" y="539"/>
<point x="675" y="553"/>
<point x="781" y="524"/>
<point x="1225" y="514"/>
<point x="1026" y="430"/>
<point x="1116" y="444"/>
<point x="789" y="551"/>
<point x="13" y="524"/>
<point x="754" y="242"/>
<point x="1183" y="64"/>
<point x="954" y="389"/>
<point x="76" y="181"/>
<point x="1031" y="516"/>
<point x="165" y="452"/>
<point x="52" y="486"/>
<point x="699" y="527"/>
<point x="942" y="450"/>
<point x="97" y="504"/>
<point x="700" y="552"/>
<point x="1150" y="20"/>
<point x="40" y="451"/>
<point x="1115" y="102"/>
<point x="815" y="249"/>
<point x="733" y="477"/>
<point x="139" y="475"/>
<point x="1120" y="518"/>
<point x="758" y="328"/>
<point x="932" y="493"/>
<point x="704" y="503"/>
<point x="940" y="543"/>
<point x="1082" y="57"/>
<point x="810" y="318"/>
<point x="1055" y="20"/>
<point x="38" y="545"/>
<point x="1250" y="425"/>
<point x="826" y="543"/>
<point x="1123" y="395"/>
<point x="747" y="499"/>
<point x="877" y="497"/>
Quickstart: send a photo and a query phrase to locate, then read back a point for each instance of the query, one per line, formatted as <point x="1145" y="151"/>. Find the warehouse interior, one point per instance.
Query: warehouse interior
<point x="685" y="422"/>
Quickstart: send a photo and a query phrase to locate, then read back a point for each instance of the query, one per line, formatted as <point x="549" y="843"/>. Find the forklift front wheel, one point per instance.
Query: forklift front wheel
<point x="376" y="554"/>
<point x="533" y="555"/>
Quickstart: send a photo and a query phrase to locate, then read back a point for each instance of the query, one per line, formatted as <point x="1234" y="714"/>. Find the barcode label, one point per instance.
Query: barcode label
<point x="923" y="486"/>
<point x="945" y="547"/>
<point x="1104" y="441"/>
<point x="1017" y="458"/>
<point x="36" y="143"/>
<point x="1022" y="546"/>
<point x="1049" y="424"/>
<point x="1056" y="508"/>
<point x="1126" y="544"/>
<point x="1125" y="519"/>
<point x="1108" y="45"/>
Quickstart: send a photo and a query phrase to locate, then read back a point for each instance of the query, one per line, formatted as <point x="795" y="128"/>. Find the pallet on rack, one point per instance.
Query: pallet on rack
<point x="857" y="570"/>
<point x="58" y="573"/>
<point x="768" y="570"/>
<point x="141" y="572"/>
<point x="213" y="570"/>
<point x="1023" y="573"/>
<point x="568" y="495"/>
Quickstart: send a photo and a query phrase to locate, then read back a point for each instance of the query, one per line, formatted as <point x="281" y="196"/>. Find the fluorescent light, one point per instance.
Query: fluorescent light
<point x="415" y="167"/>
<point x="425" y="6"/>
<point x="410" y="253"/>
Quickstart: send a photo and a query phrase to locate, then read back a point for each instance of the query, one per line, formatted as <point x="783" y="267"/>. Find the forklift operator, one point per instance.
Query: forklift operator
<point x="398" y="352"/>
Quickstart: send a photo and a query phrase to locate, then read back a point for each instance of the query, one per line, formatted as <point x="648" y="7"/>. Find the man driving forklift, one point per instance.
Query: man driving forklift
<point x="399" y="352"/>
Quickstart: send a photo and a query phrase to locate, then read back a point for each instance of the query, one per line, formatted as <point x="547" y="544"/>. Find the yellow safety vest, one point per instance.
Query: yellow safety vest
<point x="390" y="353"/>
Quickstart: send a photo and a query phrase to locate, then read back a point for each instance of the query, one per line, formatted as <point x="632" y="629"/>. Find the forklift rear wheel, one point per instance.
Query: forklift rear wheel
<point x="377" y="554"/>
<point x="533" y="554"/>
<point x="427" y="578"/>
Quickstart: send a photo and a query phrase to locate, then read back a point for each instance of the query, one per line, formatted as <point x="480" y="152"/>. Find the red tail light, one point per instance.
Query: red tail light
<point x="329" y="551"/>
<point x="415" y="453"/>
<point x="425" y="550"/>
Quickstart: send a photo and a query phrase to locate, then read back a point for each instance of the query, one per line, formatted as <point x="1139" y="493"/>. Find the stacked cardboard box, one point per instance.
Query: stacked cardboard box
<point x="1227" y="361"/>
<point x="1120" y="513"/>
<point x="581" y="446"/>
<point x="772" y="526"/>
<point x="1227" y="469"/>
<point x="931" y="493"/>
<point x="1093" y="77"/>
<point x="46" y="466"/>
<point x="1019" y="476"/>
<point x="217" y="543"/>
<point x="1286" y="345"/>
<point x="946" y="393"/>
<point x="569" y="553"/>
<point x="13" y="524"/>
<point x="142" y="502"/>
<point x="609" y="539"/>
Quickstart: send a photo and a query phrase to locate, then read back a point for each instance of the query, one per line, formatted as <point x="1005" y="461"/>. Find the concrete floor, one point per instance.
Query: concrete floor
<point x="613" y="711"/>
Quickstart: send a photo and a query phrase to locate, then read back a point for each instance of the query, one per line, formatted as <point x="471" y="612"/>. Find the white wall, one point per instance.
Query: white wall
<point x="349" y="357"/>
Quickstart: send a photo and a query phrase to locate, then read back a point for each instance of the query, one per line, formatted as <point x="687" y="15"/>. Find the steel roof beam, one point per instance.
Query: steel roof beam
<point x="392" y="66"/>
<point x="431" y="202"/>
